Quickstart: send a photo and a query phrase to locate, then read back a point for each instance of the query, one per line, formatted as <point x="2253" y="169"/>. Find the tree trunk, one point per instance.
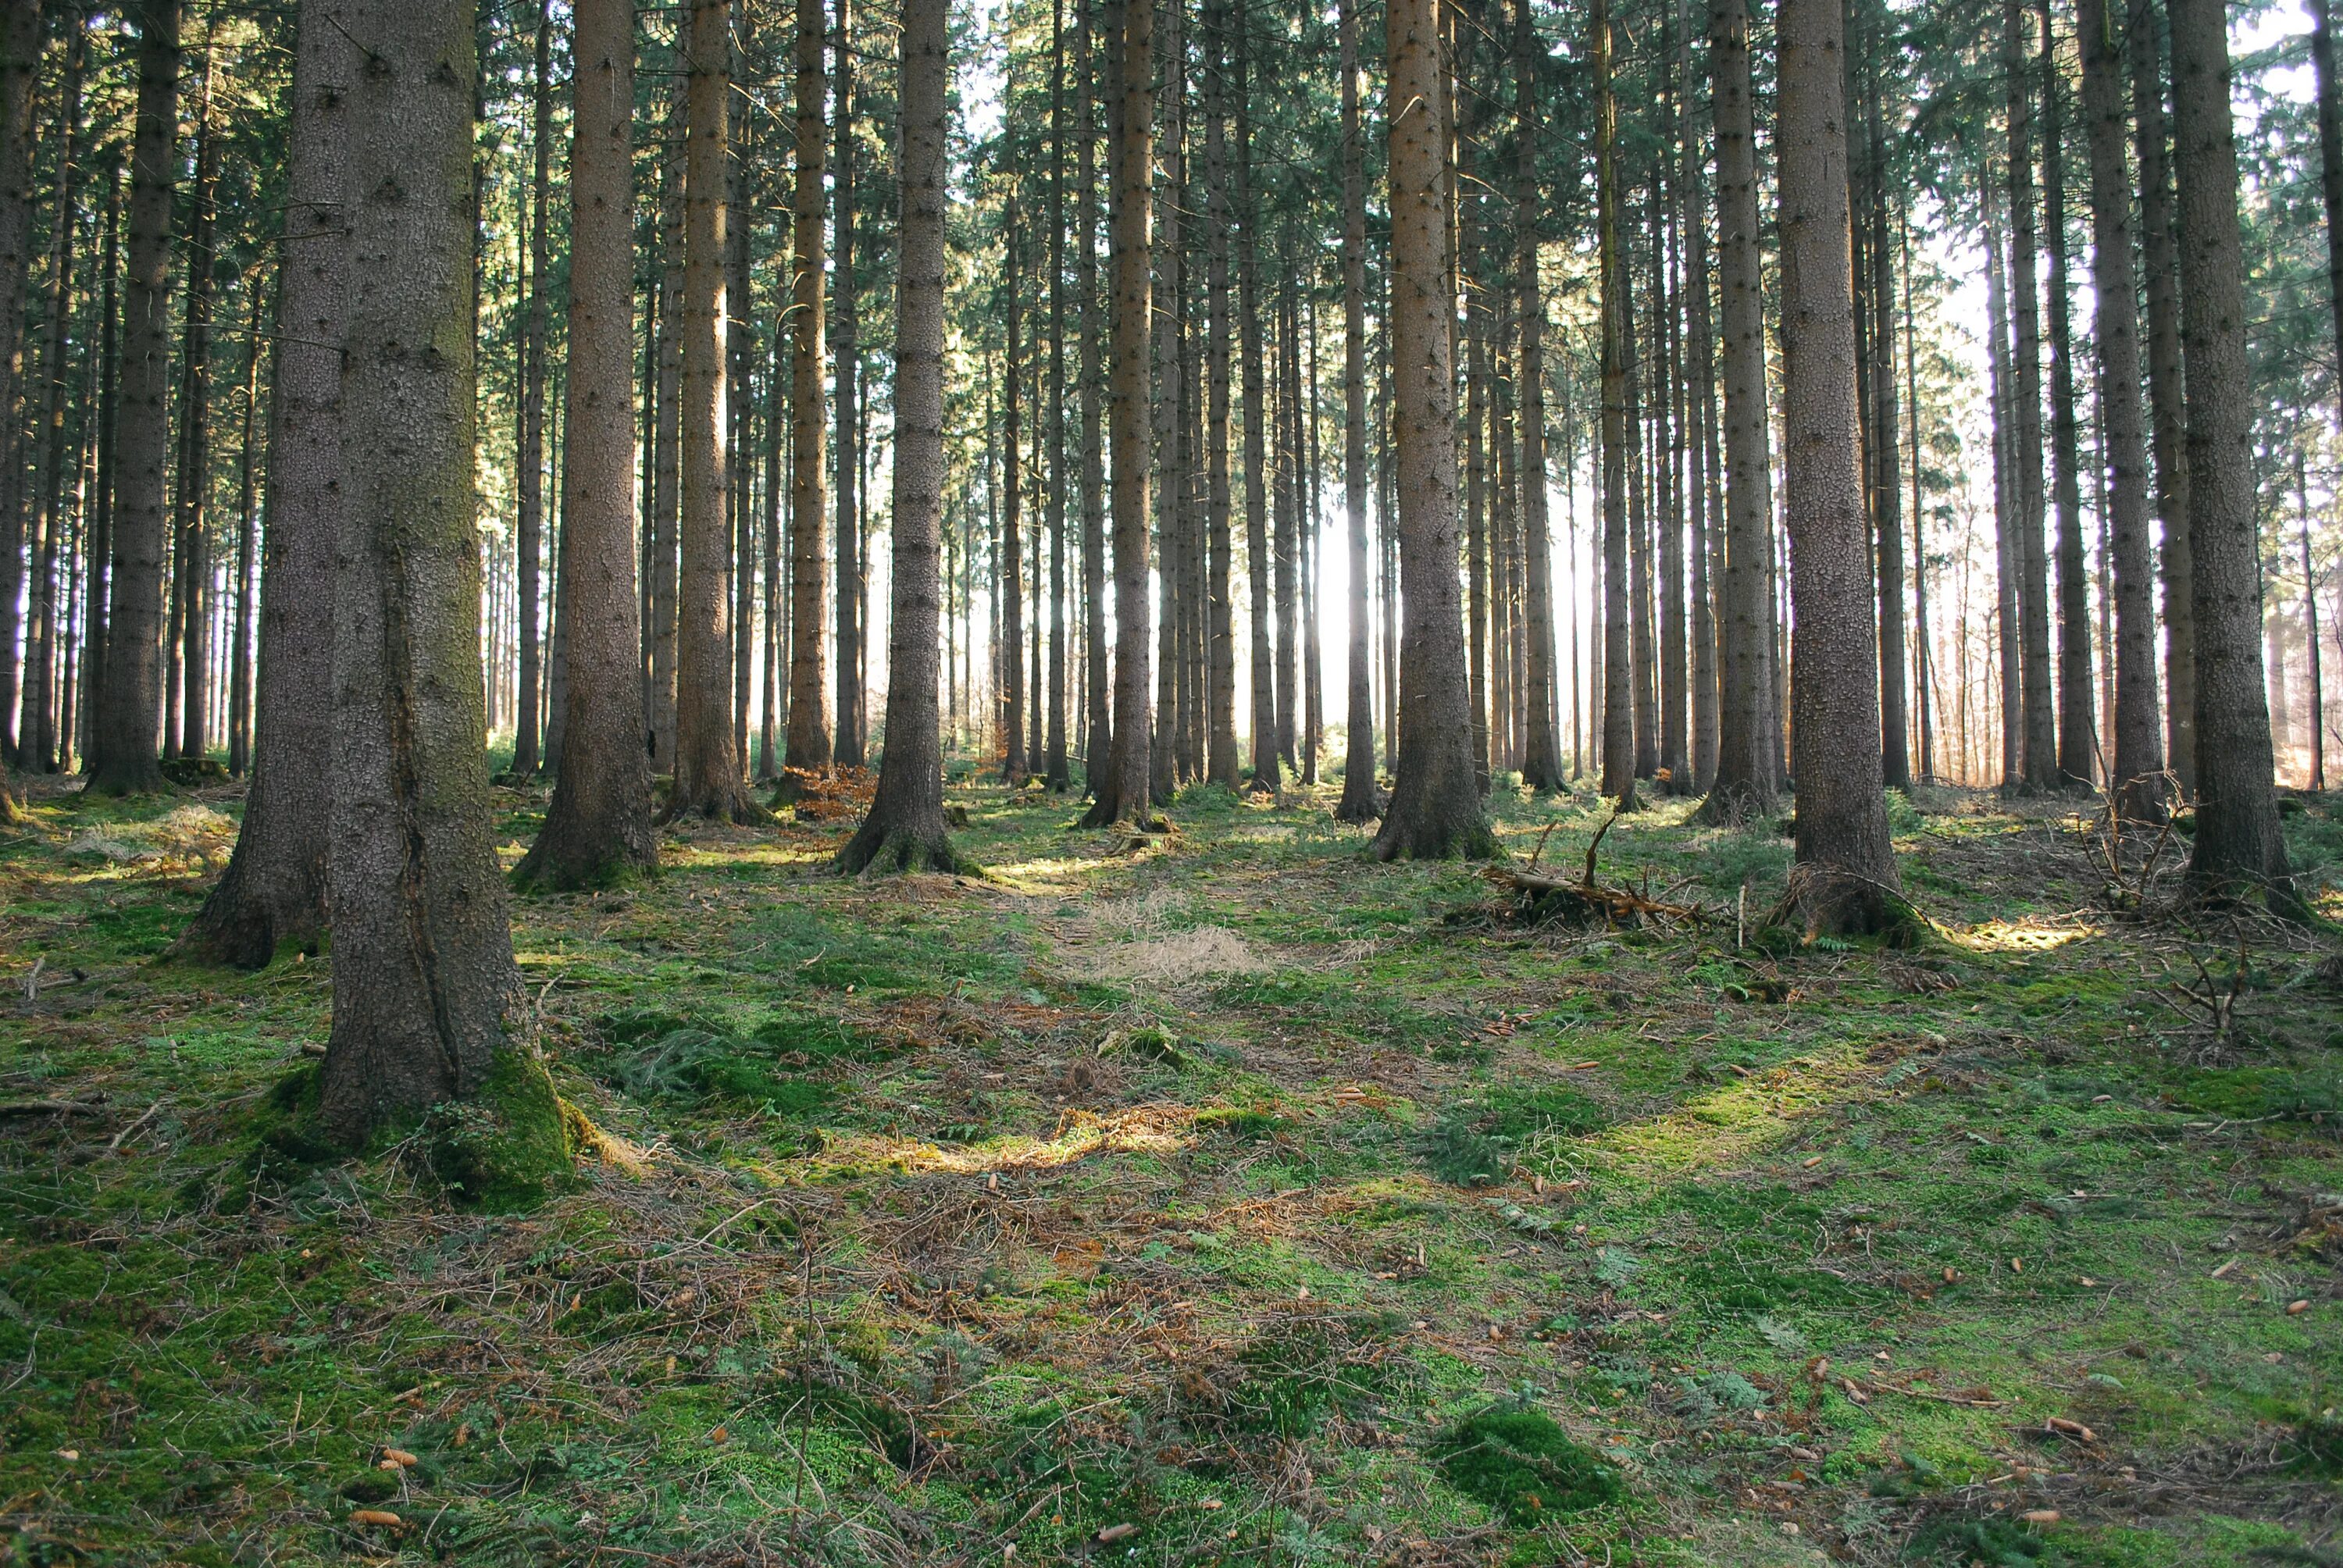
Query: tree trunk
<point x="192" y="553"/>
<point x="2310" y="634"/>
<point x="1707" y="527"/>
<point x="2136" y="767"/>
<point x="1360" y="801"/>
<point x="709" y="780"/>
<point x="529" y="531"/>
<point x="1542" y="753"/>
<point x="1262" y="595"/>
<point x="247" y="530"/>
<point x="1014" y="766"/>
<point x="1221" y="764"/>
<point x="20" y="66"/>
<point x="1122" y="794"/>
<point x="1286" y="542"/>
<point x="1745" y="783"/>
<point x="423" y="966"/>
<point x="905" y="830"/>
<point x="2237" y="846"/>
<point x="1885" y="479"/>
<point x="2008" y="507"/>
<point x="1436" y="809"/>
<point x="1842" y="849"/>
<point x="132" y="695"/>
<point x="1097" y="682"/>
<point x="1168" y="417"/>
<point x="273" y="893"/>
<point x="1478" y="534"/>
<point x="1618" y="679"/>
<point x="97" y="549"/>
<point x="848" y="747"/>
<point x="808" y="749"/>
<point x="2077" y="734"/>
<point x="666" y="444"/>
<point x="36" y="729"/>
<point x="2040" y="731"/>
<point x="1060" y="777"/>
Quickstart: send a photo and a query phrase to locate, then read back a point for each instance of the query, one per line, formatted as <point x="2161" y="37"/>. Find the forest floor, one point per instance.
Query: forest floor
<point x="1229" y="1199"/>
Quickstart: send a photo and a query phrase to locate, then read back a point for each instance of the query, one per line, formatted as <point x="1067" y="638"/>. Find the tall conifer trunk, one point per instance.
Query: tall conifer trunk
<point x="1360" y="801"/>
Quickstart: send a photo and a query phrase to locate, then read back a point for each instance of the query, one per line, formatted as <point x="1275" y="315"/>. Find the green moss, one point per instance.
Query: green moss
<point x="508" y="1147"/>
<point x="1524" y="1465"/>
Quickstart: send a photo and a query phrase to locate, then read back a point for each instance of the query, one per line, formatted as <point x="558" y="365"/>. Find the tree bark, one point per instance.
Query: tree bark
<point x="1014" y="766"/>
<point x="2077" y="733"/>
<point x="1359" y="802"/>
<point x="1842" y="846"/>
<point x="133" y="700"/>
<point x="423" y="966"/>
<point x="808" y="746"/>
<point x="20" y="64"/>
<point x="273" y="893"/>
<point x="1542" y="753"/>
<point x="1097" y="680"/>
<point x="2237" y="846"/>
<point x="847" y="747"/>
<point x="2040" y="734"/>
<point x="191" y="554"/>
<point x="666" y="467"/>
<point x="529" y="529"/>
<point x="1745" y="783"/>
<point x="247" y="530"/>
<point x="905" y="830"/>
<point x="2136" y="767"/>
<point x="1618" y="678"/>
<point x="1121" y="795"/>
<point x="1885" y="479"/>
<point x="709" y="780"/>
<point x="36" y="727"/>
<point x="2310" y="633"/>
<point x="1436" y="809"/>
<point x="1220" y="763"/>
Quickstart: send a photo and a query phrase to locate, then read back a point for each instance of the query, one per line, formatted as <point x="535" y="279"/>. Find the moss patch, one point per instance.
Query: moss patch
<point x="511" y="1146"/>
<point x="1522" y="1464"/>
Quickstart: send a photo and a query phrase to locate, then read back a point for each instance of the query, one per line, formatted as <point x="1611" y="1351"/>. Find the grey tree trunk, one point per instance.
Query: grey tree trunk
<point x="1618" y="770"/>
<point x="2237" y="846"/>
<point x="247" y="532"/>
<point x="1359" y="802"/>
<point x="273" y="893"/>
<point x="1262" y="596"/>
<point x="1435" y="810"/>
<point x="423" y="965"/>
<point x="36" y="727"/>
<point x="1122" y="794"/>
<point x="809" y="742"/>
<point x="905" y="830"/>
<point x="2136" y="766"/>
<point x="1848" y="869"/>
<point x="1707" y="524"/>
<point x="1885" y="479"/>
<point x="1055" y="761"/>
<point x="1015" y="764"/>
<point x="132" y="716"/>
<point x="2006" y="506"/>
<point x="1746" y="718"/>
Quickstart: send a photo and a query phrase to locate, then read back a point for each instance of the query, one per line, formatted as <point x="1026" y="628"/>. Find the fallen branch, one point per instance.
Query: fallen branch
<point x="50" y="1107"/>
<point x="1586" y="900"/>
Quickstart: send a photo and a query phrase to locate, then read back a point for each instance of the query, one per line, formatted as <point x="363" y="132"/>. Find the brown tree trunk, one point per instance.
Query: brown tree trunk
<point x="1542" y="753"/>
<point x="1097" y="686"/>
<point x="1221" y="764"/>
<point x="191" y="554"/>
<point x="1842" y="849"/>
<point x="1056" y="764"/>
<point x="1745" y="783"/>
<point x="2077" y="733"/>
<point x="36" y="727"/>
<point x="1014" y="767"/>
<point x="247" y="531"/>
<point x="709" y="780"/>
<point x="847" y="747"/>
<point x="1618" y="678"/>
<point x="1262" y="595"/>
<point x="2136" y="767"/>
<point x="2318" y="709"/>
<point x="666" y="398"/>
<point x="808" y="746"/>
<point x="2007" y="508"/>
<point x="1122" y="794"/>
<point x="529" y="531"/>
<point x="1286" y="543"/>
<point x="1885" y="479"/>
<point x="1436" y="809"/>
<point x="2040" y="732"/>
<point x="1360" y="801"/>
<point x="132" y="695"/>
<point x="423" y="965"/>
<point x="2237" y="846"/>
<point x="20" y="64"/>
<point x="905" y="830"/>
<point x="98" y="547"/>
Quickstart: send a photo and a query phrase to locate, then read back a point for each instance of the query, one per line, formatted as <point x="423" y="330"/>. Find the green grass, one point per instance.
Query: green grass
<point x="928" y="1227"/>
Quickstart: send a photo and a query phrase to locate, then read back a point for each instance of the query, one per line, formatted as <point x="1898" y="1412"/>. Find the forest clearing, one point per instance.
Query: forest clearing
<point x="1184" y="1206"/>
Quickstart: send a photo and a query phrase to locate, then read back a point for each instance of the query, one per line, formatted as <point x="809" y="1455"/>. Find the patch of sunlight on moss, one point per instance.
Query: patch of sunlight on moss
<point x="1141" y="1130"/>
<point x="1734" y="1123"/>
<point x="2007" y="937"/>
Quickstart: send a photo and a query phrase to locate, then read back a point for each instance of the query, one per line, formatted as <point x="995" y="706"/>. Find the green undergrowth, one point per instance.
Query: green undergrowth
<point x="1230" y="1198"/>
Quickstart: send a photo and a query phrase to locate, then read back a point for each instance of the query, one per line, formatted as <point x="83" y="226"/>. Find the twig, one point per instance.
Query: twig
<point x="123" y="1136"/>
